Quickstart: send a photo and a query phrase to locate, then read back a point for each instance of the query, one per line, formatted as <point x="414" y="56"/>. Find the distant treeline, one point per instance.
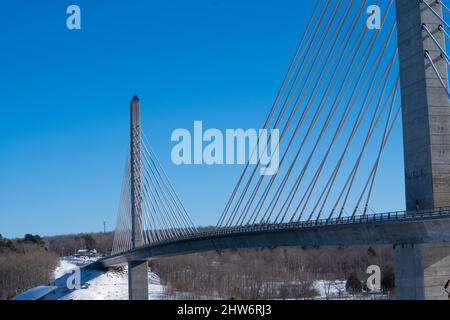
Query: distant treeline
<point x="24" y="263"/>
<point x="275" y="273"/>
<point x="30" y="261"/>
<point x="280" y="273"/>
<point x="67" y="245"/>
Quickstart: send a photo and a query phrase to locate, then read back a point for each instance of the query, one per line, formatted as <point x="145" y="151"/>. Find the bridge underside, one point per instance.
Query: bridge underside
<point x="422" y="249"/>
<point x="431" y="231"/>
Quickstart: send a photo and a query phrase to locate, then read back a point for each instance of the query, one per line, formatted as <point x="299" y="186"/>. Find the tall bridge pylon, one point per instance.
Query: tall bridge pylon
<point x="422" y="270"/>
<point x="137" y="270"/>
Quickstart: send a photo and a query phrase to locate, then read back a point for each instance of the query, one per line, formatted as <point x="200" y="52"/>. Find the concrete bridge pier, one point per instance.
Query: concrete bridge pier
<point x="422" y="270"/>
<point x="138" y="280"/>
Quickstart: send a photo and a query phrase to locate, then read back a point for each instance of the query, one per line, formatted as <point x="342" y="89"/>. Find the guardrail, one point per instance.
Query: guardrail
<point x="372" y="218"/>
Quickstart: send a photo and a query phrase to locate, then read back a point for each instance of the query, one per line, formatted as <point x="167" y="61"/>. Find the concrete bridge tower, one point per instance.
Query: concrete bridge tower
<point x="422" y="270"/>
<point x="137" y="270"/>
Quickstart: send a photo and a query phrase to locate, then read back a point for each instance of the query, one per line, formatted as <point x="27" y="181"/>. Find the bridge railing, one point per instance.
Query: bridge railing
<point x="372" y="218"/>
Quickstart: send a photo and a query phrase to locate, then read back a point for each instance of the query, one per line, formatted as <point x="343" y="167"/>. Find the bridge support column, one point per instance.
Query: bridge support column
<point x="137" y="270"/>
<point x="138" y="280"/>
<point x="421" y="271"/>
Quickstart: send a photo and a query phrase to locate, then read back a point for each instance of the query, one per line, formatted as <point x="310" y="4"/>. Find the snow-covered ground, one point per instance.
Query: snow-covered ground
<point x="113" y="285"/>
<point x="335" y="290"/>
<point x="98" y="285"/>
<point x="330" y="289"/>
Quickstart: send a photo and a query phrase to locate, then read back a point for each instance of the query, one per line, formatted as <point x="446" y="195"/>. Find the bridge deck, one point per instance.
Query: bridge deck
<point x="379" y="229"/>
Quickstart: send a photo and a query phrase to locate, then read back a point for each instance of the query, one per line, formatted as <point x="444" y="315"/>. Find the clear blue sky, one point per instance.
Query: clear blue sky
<point x="64" y="100"/>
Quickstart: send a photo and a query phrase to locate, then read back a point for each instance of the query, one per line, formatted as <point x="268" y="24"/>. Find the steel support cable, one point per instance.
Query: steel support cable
<point x="427" y="55"/>
<point x="357" y="164"/>
<point x="161" y="229"/>
<point x="164" y="225"/>
<point x="442" y="29"/>
<point x="120" y="211"/>
<point x="316" y="69"/>
<point x="443" y="5"/>
<point x="275" y="198"/>
<point x="169" y="205"/>
<point x="169" y="188"/>
<point x="123" y="229"/>
<point x="373" y="172"/>
<point x="141" y="216"/>
<point x="170" y="209"/>
<point x="345" y="40"/>
<point x="293" y="112"/>
<point x="139" y="203"/>
<point x="443" y="53"/>
<point x="157" y="164"/>
<point x="151" y="227"/>
<point x="310" y="187"/>
<point x="324" y="36"/>
<point x="184" y="222"/>
<point x="349" y="183"/>
<point x="313" y="183"/>
<point x="363" y="111"/>
<point x="172" y="223"/>
<point x="338" y="166"/>
<point x="380" y="152"/>
<point x="313" y="211"/>
<point x="287" y="79"/>
<point x="314" y="94"/>
<point x="146" y="227"/>
<point x="435" y="13"/>
<point x="280" y="94"/>
<point x="158" y="229"/>
<point x="126" y="214"/>
<point x="366" y="102"/>
<point x="117" y="235"/>
<point x="121" y="224"/>
<point x="148" y="230"/>
<point x="149" y="220"/>
<point x="286" y="211"/>
<point x="153" y="202"/>
<point x="135" y="185"/>
<point x="125" y="232"/>
<point x="148" y="178"/>
<point x="188" y="222"/>
<point x="170" y="227"/>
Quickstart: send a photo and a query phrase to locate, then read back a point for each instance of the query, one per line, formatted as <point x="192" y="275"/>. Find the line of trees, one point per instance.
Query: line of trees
<point x="67" y="245"/>
<point x="24" y="263"/>
<point x="284" y="273"/>
<point x="277" y="273"/>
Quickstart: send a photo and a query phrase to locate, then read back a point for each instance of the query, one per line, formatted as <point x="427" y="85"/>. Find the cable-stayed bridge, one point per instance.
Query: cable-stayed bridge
<point x="338" y="111"/>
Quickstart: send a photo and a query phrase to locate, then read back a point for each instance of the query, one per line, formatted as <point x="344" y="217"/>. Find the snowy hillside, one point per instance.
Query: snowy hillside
<point x="98" y="285"/>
